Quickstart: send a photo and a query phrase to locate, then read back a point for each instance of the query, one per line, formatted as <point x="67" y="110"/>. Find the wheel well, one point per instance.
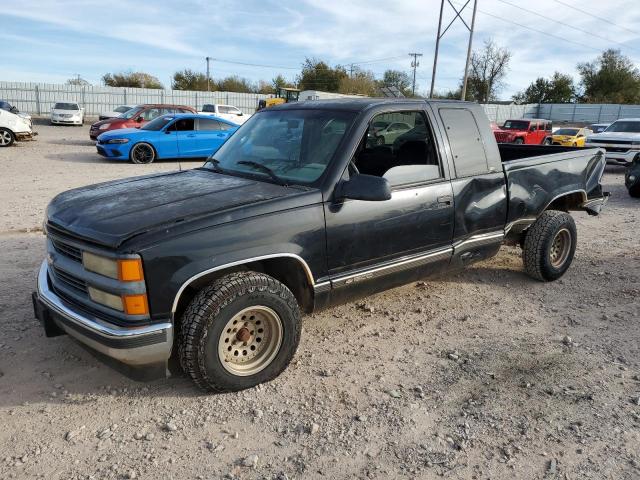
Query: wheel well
<point x="570" y="201"/>
<point x="286" y="270"/>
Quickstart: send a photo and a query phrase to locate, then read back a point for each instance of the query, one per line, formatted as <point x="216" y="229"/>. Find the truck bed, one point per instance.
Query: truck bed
<point x="538" y="175"/>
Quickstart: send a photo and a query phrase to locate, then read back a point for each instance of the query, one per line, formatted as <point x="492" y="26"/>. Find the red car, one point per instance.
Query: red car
<point x="534" y="131"/>
<point x="136" y="117"/>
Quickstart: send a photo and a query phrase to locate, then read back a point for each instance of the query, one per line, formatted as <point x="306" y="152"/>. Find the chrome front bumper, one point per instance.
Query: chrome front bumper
<point x="134" y="346"/>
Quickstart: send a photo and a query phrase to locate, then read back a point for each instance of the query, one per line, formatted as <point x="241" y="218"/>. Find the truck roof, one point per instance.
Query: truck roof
<point x="357" y="104"/>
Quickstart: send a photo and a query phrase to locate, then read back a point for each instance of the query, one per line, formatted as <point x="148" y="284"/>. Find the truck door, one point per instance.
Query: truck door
<point x="372" y="246"/>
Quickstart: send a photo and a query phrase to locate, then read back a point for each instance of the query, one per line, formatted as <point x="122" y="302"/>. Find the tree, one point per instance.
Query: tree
<point x="400" y="80"/>
<point x="488" y="68"/>
<point x="317" y="75"/>
<point x="361" y="82"/>
<point x="610" y="78"/>
<point x="189" y="80"/>
<point x="78" y="81"/>
<point x="557" y="89"/>
<point x="131" y="79"/>
<point x="235" y="83"/>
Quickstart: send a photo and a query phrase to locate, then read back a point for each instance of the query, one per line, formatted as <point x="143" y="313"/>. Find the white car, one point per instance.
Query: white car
<point x="621" y="140"/>
<point x="226" y="112"/>
<point x="67" y="113"/>
<point x="14" y="127"/>
<point x="116" y="112"/>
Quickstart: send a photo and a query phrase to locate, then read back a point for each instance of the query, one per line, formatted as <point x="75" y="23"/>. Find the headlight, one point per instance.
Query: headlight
<point x="124" y="269"/>
<point x="104" y="126"/>
<point x="105" y="298"/>
<point x="118" y="140"/>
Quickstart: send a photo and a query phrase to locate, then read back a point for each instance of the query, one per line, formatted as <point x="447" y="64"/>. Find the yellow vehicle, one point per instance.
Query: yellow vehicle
<point x="283" y="95"/>
<point x="570" y="137"/>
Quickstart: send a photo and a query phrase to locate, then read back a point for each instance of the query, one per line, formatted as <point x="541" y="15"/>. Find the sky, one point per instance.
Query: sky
<point x="52" y="41"/>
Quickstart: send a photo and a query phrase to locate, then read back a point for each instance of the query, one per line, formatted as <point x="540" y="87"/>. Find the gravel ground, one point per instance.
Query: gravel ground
<point x="482" y="374"/>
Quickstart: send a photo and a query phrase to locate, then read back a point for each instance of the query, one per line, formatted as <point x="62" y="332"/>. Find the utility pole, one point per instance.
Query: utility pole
<point x="208" y="77"/>
<point x="414" y="64"/>
<point x="351" y="71"/>
<point x="466" y="66"/>
<point x="441" y="32"/>
<point x="435" y="56"/>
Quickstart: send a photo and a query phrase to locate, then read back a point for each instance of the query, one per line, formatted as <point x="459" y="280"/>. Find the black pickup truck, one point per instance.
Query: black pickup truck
<point x="297" y="212"/>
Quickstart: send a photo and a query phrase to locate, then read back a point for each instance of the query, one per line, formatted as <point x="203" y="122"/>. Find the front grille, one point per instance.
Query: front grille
<point x="611" y="142"/>
<point x="63" y="248"/>
<point x="502" y="137"/>
<point x="70" y="281"/>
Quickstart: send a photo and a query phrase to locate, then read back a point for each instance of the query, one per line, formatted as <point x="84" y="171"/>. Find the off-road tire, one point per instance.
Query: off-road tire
<point x="206" y="317"/>
<point x="546" y="141"/>
<point x="518" y="141"/>
<point x="6" y="137"/>
<point x="539" y="241"/>
<point x="135" y="158"/>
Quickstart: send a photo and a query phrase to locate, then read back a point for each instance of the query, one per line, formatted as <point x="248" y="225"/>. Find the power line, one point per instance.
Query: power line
<point x="596" y="16"/>
<point x="377" y="60"/>
<point x="591" y="34"/>
<point x="542" y="32"/>
<point x="254" y="64"/>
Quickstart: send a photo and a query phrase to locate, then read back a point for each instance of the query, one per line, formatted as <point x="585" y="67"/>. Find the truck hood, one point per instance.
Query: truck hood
<point x="110" y="213"/>
<point x="615" y="136"/>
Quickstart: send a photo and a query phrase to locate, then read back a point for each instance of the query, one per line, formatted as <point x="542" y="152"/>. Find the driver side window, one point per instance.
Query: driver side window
<point x="399" y="146"/>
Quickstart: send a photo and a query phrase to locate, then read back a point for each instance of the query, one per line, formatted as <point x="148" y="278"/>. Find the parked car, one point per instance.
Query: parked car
<point x="136" y="117"/>
<point x="621" y="140"/>
<point x="13" y="109"/>
<point x="570" y="137"/>
<point x="294" y="214"/>
<point x="116" y="112"/>
<point x="527" y="131"/>
<point x="14" y="126"/>
<point x="227" y="112"/>
<point x="599" y="127"/>
<point x="386" y="135"/>
<point x="632" y="177"/>
<point x="67" y="113"/>
<point x="168" y="136"/>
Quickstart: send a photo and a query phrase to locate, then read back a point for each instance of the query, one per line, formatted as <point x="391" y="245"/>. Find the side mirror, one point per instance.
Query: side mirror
<point x="532" y="129"/>
<point x="240" y="114"/>
<point x="365" y="187"/>
<point x="580" y="136"/>
<point x="139" y="119"/>
<point x="14" y="110"/>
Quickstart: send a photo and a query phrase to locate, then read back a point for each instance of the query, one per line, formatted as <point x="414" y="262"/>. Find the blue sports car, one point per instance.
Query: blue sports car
<point x="169" y="136"/>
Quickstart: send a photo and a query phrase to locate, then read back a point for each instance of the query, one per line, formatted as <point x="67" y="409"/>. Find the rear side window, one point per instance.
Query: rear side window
<point x="209" y="124"/>
<point x="467" y="148"/>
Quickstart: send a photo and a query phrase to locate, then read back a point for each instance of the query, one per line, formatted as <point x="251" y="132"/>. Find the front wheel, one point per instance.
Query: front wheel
<point x="142" y="153"/>
<point x="240" y="331"/>
<point x="546" y="141"/>
<point x="6" y="137"/>
<point x="518" y="141"/>
<point x="549" y="246"/>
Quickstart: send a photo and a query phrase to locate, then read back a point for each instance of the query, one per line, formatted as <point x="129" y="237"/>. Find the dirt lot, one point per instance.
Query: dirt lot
<point x="483" y="374"/>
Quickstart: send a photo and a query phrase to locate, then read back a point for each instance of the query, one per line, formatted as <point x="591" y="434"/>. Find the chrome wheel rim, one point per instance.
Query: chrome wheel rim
<point x="560" y="248"/>
<point x="250" y="340"/>
<point x="5" y="138"/>
<point x="143" y="153"/>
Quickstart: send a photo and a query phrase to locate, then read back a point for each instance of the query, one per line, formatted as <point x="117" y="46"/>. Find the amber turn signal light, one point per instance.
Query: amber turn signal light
<point x="130" y="270"/>
<point x="135" y="304"/>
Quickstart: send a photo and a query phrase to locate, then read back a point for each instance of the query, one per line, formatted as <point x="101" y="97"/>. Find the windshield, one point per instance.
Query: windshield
<point x="294" y="145"/>
<point x="122" y="109"/>
<point x="66" y="106"/>
<point x="158" y="123"/>
<point x="626" y="126"/>
<point x="567" y="131"/>
<point x="515" y="125"/>
<point x="130" y="113"/>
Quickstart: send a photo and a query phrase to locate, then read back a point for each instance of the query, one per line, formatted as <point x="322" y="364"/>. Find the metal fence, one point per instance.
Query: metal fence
<point x="39" y="98"/>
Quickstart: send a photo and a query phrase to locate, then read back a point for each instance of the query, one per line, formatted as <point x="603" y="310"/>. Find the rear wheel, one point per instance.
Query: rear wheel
<point x="6" y="137"/>
<point x="240" y="331"/>
<point x="549" y="246"/>
<point x="142" y="153"/>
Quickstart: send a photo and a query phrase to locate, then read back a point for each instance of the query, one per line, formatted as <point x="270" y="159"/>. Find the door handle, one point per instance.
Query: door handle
<point x="191" y="135"/>
<point x="445" y="199"/>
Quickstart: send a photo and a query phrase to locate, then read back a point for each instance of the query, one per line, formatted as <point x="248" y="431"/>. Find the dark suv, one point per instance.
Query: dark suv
<point x="136" y="117"/>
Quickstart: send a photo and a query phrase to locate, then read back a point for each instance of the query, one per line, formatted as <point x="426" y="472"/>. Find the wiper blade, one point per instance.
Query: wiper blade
<point x="264" y="169"/>
<point x="215" y="163"/>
